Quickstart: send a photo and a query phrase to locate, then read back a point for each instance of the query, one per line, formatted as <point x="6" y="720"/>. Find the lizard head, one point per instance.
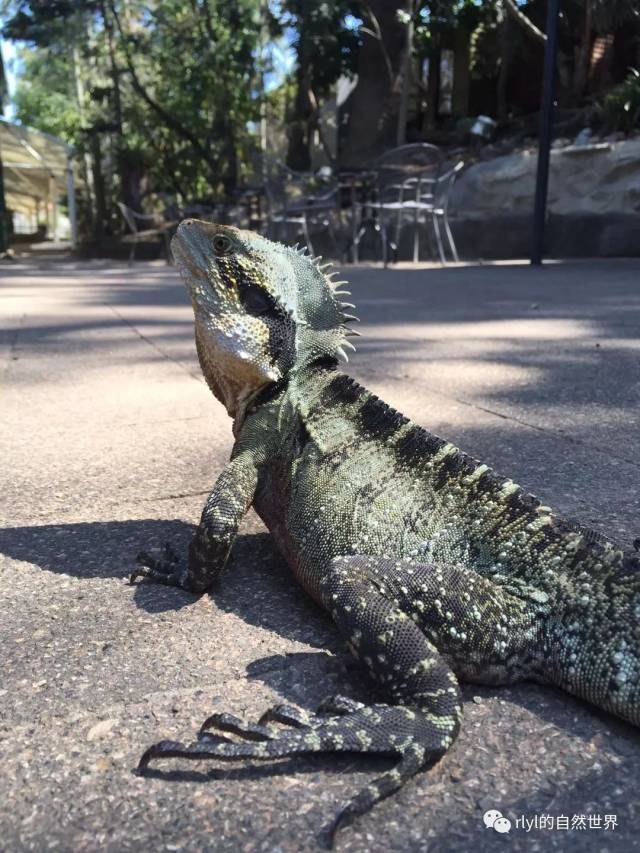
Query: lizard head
<point x="262" y="310"/>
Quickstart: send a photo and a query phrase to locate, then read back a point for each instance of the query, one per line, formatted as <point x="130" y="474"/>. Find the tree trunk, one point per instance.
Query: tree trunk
<point x="405" y="81"/>
<point x="433" y="85"/>
<point x="86" y="167"/>
<point x="583" y="53"/>
<point x="299" y="125"/>
<point x="368" y="123"/>
<point x="461" y="75"/>
<point x="98" y="188"/>
<point x="506" y="37"/>
<point x="130" y="171"/>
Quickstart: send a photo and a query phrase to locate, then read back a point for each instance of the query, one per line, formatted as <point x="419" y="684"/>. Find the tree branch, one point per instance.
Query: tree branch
<point x="313" y="101"/>
<point x="522" y="19"/>
<point x="376" y="33"/>
<point x="169" y="120"/>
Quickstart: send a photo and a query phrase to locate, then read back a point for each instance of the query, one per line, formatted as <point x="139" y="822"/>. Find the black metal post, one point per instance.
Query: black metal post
<point x="546" y="122"/>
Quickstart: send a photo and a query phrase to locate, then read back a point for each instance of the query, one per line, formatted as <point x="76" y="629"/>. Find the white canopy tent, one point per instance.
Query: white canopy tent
<point x="37" y="171"/>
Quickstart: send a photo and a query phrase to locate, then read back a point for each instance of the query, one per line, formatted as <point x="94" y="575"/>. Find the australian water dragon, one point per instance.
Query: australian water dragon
<point x="434" y="568"/>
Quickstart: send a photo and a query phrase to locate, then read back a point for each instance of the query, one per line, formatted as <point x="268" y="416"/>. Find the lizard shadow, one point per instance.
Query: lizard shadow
<point x="580" y="795"/>
<point x="99" y="549"/>
<point x="576" y="716"/>
<point x="297" y="765"/>
<point x="256" y="585"/>
<point x="258" y="588"/>
<point x="96" y="549"/>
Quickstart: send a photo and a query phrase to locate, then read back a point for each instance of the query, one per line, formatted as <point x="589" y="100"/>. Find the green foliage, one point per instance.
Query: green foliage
<point x="167" y="91"/>
<point x="436" y="16"/>
<point x="41" y="22"/>
<point x="43" y="98"/>
<point x="325" y="46"/>
<point x="620" y="109"/>
<point x="199" y="63"/>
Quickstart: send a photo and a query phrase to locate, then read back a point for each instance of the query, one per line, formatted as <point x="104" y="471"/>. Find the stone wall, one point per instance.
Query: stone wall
<point x="594" y="203"/>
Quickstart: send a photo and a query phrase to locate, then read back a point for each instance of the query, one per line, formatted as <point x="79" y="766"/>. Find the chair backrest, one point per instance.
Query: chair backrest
<point x="444" y="184"/>
<point x="132" y="217"/>
<point x="281" y="184"/>
<point x="407" y="171"/>
<point x="128" y="217"/>
<point x="284" y="187"/>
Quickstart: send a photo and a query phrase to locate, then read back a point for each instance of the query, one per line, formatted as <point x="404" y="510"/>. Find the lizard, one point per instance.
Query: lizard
<point x="434" y="568"/>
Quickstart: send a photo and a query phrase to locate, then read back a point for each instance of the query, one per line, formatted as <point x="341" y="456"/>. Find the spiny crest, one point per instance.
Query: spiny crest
<point x="322" y="316"/>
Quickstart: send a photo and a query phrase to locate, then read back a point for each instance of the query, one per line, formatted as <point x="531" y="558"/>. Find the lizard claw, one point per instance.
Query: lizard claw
<point x="340" y="726"/>
<point x="161" y="567"/>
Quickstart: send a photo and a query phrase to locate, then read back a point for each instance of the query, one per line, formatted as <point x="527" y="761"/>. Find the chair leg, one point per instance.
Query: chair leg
<point x="358" y="234"/>
<point x="334" y="239"/>
<point x="132" y="250"/>
<point x="398" y="230"/>
<point x="436" y="228"/>
<point x="383" y="237"/>
<point x="166" y="245"/>
<point x="416" y="239"/>
<point x="356" y="218"/>
<point x="452" y="244"/>
<point x="307" y="236"/>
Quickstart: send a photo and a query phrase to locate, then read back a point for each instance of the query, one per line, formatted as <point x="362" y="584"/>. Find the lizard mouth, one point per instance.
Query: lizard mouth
<point x="191" y="245"/>
<point x="187" y="248"/>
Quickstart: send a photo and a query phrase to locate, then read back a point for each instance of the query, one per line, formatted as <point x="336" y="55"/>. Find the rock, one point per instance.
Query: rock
<point x="100" y="730"/>
<point x="592" y="179"/>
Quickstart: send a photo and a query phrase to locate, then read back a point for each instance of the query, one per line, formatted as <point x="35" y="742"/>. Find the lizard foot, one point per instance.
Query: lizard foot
<point x="342" y="725"/>
<point x="161" y="566"/>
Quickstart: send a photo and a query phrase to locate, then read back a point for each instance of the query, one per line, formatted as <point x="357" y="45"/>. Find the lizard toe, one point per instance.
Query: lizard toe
<point x="160" y="566"/>
<point x="339" y="705"/>
<point x="411" y="736"/>
<point x="288" y="715"/>
<point x="230" y="723"/>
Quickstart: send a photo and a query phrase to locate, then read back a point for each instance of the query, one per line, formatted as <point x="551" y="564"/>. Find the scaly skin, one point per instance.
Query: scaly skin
<point x="433" y="567"/>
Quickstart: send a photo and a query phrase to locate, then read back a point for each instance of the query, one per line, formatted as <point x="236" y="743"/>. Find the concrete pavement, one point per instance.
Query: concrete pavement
<point x="110" y="442"/>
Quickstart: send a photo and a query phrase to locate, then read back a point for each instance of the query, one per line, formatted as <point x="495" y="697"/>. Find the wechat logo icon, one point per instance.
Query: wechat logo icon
<point x="493" y="819"/>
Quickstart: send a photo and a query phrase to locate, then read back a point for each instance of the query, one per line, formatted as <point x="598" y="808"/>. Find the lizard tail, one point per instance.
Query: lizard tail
<point x="594" y="648"/>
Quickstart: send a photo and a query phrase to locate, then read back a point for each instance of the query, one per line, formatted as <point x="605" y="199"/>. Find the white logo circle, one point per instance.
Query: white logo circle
<point x="502" y="824"/>
<point x="490" y="817"/>
<point x="494" y="819"/>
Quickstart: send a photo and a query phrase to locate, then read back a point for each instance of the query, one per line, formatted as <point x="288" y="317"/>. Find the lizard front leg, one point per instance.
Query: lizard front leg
<point x="209" y="549"/>
<point x="412" y="625"/>
<point x="416" y="727"/>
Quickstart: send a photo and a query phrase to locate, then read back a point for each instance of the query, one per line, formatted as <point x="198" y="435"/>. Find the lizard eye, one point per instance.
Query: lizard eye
<point x="222" y="244"/>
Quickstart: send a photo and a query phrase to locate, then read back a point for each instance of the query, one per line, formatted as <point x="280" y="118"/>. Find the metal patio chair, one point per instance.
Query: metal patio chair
<point x="299" y="199"/>
<point x="435" y="203"/>
<point x="403" y="179"/>
<point x="134" y="220"/>
<point x="408" y="186"/>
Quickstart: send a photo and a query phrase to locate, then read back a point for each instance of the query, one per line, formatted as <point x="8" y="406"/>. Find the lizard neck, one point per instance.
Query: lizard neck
<point x="235" y="388"/>
<point x="298" y="385"/>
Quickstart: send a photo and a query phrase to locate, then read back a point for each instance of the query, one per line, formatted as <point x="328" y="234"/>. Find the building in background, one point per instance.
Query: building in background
<point x="39" y="184"/>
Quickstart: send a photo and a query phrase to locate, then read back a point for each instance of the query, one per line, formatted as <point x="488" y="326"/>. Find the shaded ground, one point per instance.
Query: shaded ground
<point x="111" y="441"/>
